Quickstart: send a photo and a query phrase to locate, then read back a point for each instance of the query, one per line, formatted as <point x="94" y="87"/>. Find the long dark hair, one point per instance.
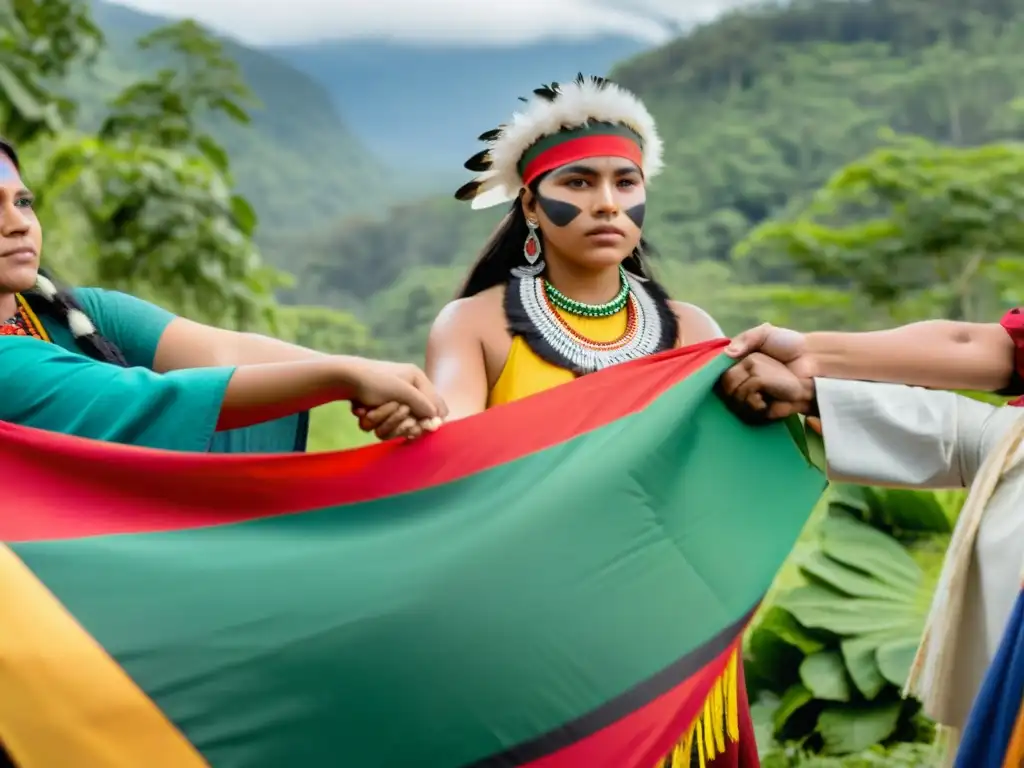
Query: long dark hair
<point x="60" y="305"/>
<point x="504" y="251"/>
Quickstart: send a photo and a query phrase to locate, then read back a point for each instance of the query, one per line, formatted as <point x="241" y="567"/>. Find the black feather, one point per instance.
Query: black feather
<point x="468" y="190"/>
<point x="481" y="161"/>
<point x="491" y="135"/>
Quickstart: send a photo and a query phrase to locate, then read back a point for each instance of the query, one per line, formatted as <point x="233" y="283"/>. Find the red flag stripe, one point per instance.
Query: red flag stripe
<point x="63" y="483"/>
<point x="647" y="735"/>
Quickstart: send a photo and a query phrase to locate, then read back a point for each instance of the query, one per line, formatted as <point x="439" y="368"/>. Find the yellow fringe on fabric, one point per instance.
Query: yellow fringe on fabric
<point x="716" y="726"/>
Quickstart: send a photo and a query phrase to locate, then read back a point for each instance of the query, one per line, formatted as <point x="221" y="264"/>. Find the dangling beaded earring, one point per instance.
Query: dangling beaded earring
<point x="532" y="248"/>
<point x="532" y="251"/>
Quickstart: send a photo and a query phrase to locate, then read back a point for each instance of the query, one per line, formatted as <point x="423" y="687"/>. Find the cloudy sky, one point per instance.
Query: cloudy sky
<point x="439" y="21"/>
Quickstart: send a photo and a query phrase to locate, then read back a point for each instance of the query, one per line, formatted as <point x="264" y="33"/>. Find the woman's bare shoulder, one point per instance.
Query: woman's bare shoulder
<point x="471" y="316"/>
<point x="695" y="325"/>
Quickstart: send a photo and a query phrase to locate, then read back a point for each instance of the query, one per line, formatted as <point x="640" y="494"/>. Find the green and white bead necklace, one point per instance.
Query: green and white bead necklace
<point x="574" y="307"/>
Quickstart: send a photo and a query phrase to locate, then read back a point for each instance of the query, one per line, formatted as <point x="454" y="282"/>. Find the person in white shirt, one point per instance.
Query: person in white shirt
<point x="896" y="435"/>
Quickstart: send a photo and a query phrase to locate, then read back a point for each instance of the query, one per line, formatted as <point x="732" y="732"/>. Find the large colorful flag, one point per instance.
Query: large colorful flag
<point x="555" y="583"/>
<point x="994" y="735"/>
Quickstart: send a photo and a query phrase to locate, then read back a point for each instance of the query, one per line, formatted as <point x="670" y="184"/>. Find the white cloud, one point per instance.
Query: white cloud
<point x="438" y="21"/>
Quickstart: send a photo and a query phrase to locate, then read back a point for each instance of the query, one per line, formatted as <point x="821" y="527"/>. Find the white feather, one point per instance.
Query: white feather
<point x="492" y="196"/>
<point x="80" y="324"/>
<point x="45" y="287"/>
<point x="577" y="104"/>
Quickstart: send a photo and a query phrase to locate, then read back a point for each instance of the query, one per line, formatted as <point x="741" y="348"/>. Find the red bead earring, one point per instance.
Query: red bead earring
<point x="532" y="248"/>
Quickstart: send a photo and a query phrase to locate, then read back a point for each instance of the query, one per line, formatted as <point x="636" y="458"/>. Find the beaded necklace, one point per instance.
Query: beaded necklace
<point x="532" y="313"/>
<point x="24" y="322"/>
<point x="574" y="307"/>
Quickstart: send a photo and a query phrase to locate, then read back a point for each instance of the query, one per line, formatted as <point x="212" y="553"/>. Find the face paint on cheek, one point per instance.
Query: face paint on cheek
<point x="8" y="173"/>
<point x="560" y="212"/>
<point x="637" y="213"/>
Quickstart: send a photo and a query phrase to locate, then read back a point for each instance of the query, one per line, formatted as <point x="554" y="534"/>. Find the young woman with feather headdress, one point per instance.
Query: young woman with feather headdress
<point x="562" y="289"/>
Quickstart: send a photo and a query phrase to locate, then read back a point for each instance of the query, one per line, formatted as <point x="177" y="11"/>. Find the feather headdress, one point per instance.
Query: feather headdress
<point x="588" y="117"/>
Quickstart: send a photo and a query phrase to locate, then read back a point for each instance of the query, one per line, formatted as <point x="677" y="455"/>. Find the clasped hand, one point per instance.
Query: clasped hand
<point x="774" y="377"/>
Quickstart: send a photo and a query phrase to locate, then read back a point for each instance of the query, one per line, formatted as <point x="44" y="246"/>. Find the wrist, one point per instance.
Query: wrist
<point x="346" y="373"/>
<point x="808" y="405"/>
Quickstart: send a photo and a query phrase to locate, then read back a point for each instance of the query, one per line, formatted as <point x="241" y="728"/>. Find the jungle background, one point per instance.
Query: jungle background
<point x="841" y="164"/>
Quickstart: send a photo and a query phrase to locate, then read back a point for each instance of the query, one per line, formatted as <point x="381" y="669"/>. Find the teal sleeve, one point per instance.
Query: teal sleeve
<point x="49" y="388"/>
<point x="287" y="435"/>
<point x="134" y="325"/>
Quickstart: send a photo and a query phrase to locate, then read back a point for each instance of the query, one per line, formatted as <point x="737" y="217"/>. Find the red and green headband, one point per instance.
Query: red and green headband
<point x="570" y="146"/>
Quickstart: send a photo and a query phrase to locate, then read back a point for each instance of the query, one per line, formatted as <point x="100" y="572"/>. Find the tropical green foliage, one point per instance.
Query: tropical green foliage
<point x="39" y="42"/>
<point x="158" y="211"/>
<point x="829" y="657"/>
<point x="295" y="160"/>
<point x="897" y="756"/>
<point x="913" y="226"/>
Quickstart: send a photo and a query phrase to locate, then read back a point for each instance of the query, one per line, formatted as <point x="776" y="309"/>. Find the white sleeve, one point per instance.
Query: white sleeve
<point x="890" y="434"/>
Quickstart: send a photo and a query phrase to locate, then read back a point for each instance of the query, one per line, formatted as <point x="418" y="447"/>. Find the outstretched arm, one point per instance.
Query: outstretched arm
<point x="878" y="434"/>
<point x="939" y="354"/>
<point x="64" y="392"/>
<point x="187" y="344"/>
<point x="456" y="365"/>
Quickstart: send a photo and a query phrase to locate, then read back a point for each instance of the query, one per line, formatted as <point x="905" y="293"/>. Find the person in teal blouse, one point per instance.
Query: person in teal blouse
<point x="109" y="366"/>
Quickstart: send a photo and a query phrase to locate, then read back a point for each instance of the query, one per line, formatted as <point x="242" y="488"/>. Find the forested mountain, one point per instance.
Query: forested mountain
<point x="297" y="155"/>
<point x="758" y="109"/>
<point x="417" y="104"/>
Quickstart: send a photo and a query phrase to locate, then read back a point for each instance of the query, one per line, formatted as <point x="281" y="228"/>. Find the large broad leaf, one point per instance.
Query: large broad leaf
<point x="916" y="511"/>
<point x="823" y="569"/>
<point x="895" y="658"/>
<point x="857" y="499"/>
<point x="869" y="550"/>
<point x="819" y="607"/>
<point x="795" y="699"/>
<point x="784" y="626"/>
<point x="762" y="714"/>
<point x="866" y="588"/>
<point x="860" y="655"/>
<point x="852" y="729"/>
<point x="824" y="675"/>
<point x="776" y="646"/>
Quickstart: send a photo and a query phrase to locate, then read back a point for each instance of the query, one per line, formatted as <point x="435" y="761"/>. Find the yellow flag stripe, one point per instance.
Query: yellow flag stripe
<point x="65" y="701"/>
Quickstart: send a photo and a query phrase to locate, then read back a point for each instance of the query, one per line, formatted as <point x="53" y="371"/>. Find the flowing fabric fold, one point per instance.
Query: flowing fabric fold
<point x="561" y="581"/>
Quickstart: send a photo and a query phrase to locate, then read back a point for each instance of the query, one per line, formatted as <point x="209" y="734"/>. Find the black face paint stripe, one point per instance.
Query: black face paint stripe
<point x="637" y="213"/>
<point x="561" y="213"/>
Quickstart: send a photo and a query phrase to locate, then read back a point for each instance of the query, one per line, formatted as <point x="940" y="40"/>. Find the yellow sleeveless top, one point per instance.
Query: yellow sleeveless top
<point x="527" y="374"/>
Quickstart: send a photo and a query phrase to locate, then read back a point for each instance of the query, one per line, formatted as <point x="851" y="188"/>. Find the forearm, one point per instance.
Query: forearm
<point x="186" y="344"/>
<point x="255" y="349"/>
<point x="938" y="354"/>
<point x="265" y="392"/>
